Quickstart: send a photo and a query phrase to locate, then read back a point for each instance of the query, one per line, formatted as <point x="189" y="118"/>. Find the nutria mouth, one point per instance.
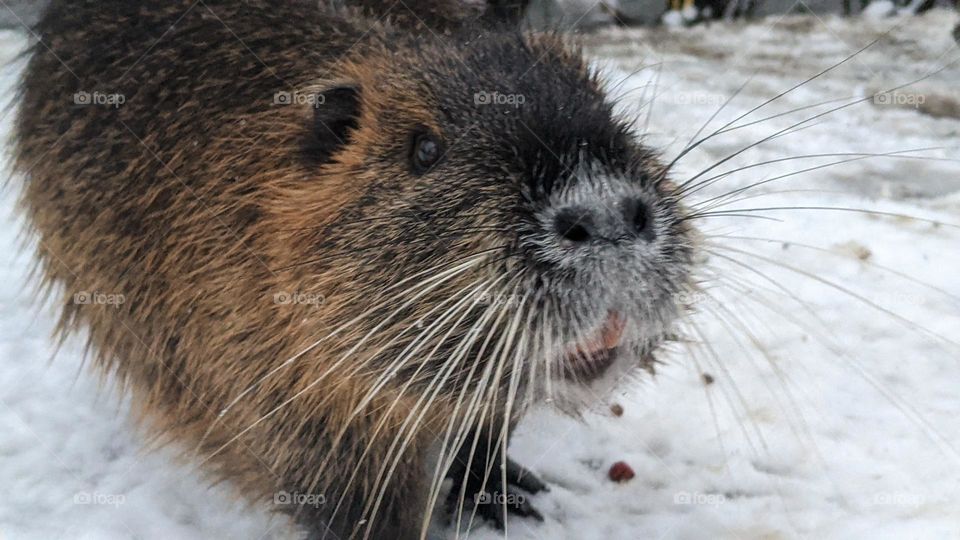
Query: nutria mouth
<point x="590" y="358"/>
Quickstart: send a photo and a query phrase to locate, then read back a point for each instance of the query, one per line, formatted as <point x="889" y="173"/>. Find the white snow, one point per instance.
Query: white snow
<point x="879" y="9"/>
<point x="673" y="18"/>
<point x="831" y="416"/>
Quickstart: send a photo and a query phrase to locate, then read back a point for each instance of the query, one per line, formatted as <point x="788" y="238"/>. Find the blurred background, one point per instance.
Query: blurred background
<point x="593" y="13"/>
<point x="587" y="13"/>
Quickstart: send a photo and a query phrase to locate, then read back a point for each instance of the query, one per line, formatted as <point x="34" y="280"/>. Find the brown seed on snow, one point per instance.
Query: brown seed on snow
<point x="621" y="472"/>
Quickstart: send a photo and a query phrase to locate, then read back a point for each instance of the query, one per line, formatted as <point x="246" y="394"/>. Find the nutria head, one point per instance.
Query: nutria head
<point x="495" y="170"/>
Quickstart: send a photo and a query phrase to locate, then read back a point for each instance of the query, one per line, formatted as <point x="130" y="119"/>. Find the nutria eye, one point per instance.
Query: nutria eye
<point x="426" y="153"/>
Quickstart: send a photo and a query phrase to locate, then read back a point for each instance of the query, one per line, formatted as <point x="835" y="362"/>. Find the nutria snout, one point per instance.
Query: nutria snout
<point x="353" y="250"/>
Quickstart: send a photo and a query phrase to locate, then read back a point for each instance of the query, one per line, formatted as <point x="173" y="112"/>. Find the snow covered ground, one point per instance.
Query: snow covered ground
<point x="831" y="335"/>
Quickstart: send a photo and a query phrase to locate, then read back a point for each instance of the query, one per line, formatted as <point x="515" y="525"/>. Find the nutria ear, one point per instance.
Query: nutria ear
<point x="336" y="111"/>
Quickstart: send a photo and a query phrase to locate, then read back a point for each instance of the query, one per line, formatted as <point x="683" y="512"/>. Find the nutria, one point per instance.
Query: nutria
<point x="335" y="252"/>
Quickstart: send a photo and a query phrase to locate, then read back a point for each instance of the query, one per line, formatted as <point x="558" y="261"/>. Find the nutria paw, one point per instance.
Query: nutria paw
<point x="491" y="499"/>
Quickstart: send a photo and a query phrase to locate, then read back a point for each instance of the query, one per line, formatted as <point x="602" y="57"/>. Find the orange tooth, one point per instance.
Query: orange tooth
<point x="609" y="337"/>
<point x="613" y="331"/>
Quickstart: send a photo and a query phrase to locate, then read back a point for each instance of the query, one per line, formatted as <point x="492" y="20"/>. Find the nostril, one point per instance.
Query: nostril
<point x="637" y="216"/>
<point x="577" y="233"/>
<point x="573" y="224"/>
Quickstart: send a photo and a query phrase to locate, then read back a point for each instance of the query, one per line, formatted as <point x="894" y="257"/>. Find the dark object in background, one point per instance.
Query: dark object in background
<point x="507" y="10"/>
<point x="20" y="13"/>
<point x="902" y="7"/>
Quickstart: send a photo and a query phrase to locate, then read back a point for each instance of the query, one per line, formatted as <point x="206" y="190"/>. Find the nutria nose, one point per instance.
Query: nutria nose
<point x="627" y="218"/>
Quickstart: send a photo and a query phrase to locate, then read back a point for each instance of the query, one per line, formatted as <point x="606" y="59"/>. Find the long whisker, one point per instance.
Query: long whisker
<point x="732" y="211"/>
<point x="720" y="109"/>
<point x="377" y="247"/>
<point x="350" y="352"/>
<point x="508" y="337"/>
<point x="908" y="410"/>
<point x="856" y="156"/>
<point x="409" y="430"/>
<point x="902" y="320"/>
<point x="446" y="461"/>
<point x="778" y="372"/>
<point x="437" y="279"/>
<point x="508" y="409"/>
<point x="706" y="343"/>
<point x="871" y="264"/>
<point x="691" y="147"/>
<point x="692" y="353"/>
<point x="810" y="119"/>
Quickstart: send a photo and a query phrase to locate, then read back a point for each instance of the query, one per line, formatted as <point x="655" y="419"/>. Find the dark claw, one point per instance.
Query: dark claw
<point x="524" y="478"/>
<point x="489" y="499"/>
<point x="516" y="504"/>
<point x="525" y="509"/>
